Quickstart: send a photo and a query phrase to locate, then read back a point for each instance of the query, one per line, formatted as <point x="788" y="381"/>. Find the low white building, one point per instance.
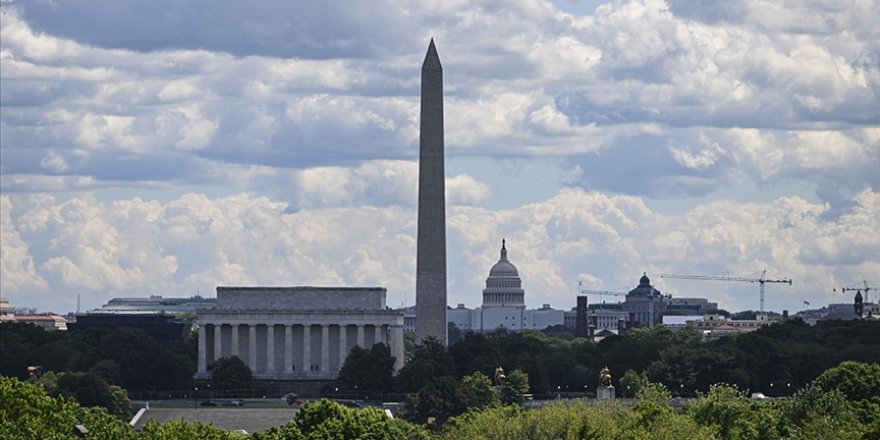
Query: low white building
<point x="715" y="326"/>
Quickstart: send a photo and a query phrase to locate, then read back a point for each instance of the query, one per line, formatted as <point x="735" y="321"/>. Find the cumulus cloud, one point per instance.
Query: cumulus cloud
<point x="315" y="105"/>
<point x="194" y="243"/>
<point x="688" y="85"/>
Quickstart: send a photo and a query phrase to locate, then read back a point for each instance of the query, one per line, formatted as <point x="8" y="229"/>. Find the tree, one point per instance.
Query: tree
<point x="438" y="400"/>
<point x="107" y="370"/>
<point x="14" y="352"/>
<point x="859" y="383"/>
<point x="48" y="381"/>
<point x="559" y="331"/>
<point x="231" y="374"/>
<point x="632" y="382"/>
<point x="144" y="364"/>
<point x="430" y="360"/>
<point x="27" y="412"/>
<point x="478" y="391"/>
<point x="730" y="413"/>
<point x="367" y="370"/>
<point x="474" y="353"/>
<point x="514" y="388"/>
<point x="454" y="334"/>
<point x="815" y="413"/>
<point x="120" y="404"/>
<point x="87" y="388"/>
<point x="326" y="419"/>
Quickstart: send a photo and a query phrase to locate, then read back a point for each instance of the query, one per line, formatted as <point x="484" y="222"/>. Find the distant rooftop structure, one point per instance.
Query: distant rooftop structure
<point x="679" y="321"/>
<point x="47" y="321"/>
<point x="714" y="326"/>
<point x="155" y="304"/>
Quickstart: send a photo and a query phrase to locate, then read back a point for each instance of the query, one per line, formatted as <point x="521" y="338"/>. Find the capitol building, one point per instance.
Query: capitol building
<point x="503" y="307"/>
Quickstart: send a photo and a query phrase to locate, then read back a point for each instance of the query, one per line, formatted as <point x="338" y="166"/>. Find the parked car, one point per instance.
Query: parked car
<point x="233" y="403"/>
<point x="208" y="403"/>
<point x="350" y="403"/>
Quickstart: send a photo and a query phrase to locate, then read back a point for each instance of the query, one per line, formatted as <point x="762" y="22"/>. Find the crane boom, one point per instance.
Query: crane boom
<point x="865" y="289"/>
<point x="603" y="292"/>
<point x="762" y="280"/>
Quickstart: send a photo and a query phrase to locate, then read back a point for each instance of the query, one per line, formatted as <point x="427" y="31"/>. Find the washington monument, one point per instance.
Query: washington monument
<point x="431" y="240"/>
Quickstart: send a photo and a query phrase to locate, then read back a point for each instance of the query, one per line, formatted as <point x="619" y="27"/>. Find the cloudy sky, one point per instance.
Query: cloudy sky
<point x="168" y="147"/>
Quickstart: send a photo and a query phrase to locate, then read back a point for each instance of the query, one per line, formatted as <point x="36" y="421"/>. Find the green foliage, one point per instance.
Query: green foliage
<point x="108" y="371"/>
<point x="367" y="370"/>
<point x="517" y="384"/>
<point x="326" y="419"/>
<point x="859" y="383"/>
<point x="454" y="334"/>
<point x="27" y="412"/>
<point x="87" y="388"/>
<point x="120" y="404"/>
<point x="814" y="413"/>
<point x="141" y="363"/>
<point x="430" y="360"/>
<point x="15" y="349"/>
<point x="559" y="331"/>
<point x="231" y="373"/>
<point x="48" y="381"/>
<point x="653" y="403"/>
<point x="438" y="400"/>
<point x="474" y="353"/>
<point x="570" y="420"/>
<point x="478" y="391"/>
<point x="632" y="382"/>
<point x="732" y="414"/>
<point x="179" y="429"/>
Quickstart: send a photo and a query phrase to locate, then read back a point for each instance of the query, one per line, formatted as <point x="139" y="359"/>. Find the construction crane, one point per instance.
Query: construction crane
<point x="602" y="292"/>
<point x="598" y="292"/>
<point x="865" y="289"/>
<point x="762" y="280"/>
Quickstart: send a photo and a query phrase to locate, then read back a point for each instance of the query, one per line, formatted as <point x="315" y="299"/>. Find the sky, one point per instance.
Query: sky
<point x="167" y="147"/>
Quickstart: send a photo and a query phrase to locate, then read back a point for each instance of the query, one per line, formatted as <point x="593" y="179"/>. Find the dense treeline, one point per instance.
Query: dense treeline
<point x="125" y="357"/>
<point x="843" y="403"/>
<point x="777" y="360"/>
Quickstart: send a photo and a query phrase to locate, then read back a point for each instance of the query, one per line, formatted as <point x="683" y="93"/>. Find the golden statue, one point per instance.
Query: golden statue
<point x="499" y="376"/>
<point x="605" y="377"/>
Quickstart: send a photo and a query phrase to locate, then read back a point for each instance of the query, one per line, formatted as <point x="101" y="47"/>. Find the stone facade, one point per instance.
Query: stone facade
<point x="296" y="333"/>
<point x="431" y="242"/>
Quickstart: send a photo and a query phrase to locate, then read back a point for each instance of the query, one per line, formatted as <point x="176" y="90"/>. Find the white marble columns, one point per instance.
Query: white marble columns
<point x="343" y="344"/>
<point x="203" y="361"/>
<point x="235" y="351"/>
<point x="252" y="346"/>
<point x="307" y="348"/>
<point x="288" y="348"/>
<point x="302" y="354"/>
<point x="270" y="347"/>
<point x="218" y="338"/>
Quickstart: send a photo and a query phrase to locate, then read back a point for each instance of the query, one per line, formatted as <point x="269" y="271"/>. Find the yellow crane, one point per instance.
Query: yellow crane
<point x="762" y="280"/>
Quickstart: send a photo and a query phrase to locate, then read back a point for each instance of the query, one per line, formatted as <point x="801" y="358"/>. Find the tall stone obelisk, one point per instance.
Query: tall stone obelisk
<point x="431" y="240"/>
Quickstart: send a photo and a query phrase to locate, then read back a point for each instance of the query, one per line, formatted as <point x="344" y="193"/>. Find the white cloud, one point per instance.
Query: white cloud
<point x="18" y="274"/>
<point x="318" y="105"/>
<point x="196" y="243"/>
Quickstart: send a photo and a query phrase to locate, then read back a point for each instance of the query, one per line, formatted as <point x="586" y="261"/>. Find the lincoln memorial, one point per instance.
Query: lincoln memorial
<point x="296" y="333"/>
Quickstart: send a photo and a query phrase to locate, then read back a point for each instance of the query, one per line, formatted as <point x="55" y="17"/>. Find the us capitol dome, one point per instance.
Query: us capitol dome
<point x="503" y="286"/>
